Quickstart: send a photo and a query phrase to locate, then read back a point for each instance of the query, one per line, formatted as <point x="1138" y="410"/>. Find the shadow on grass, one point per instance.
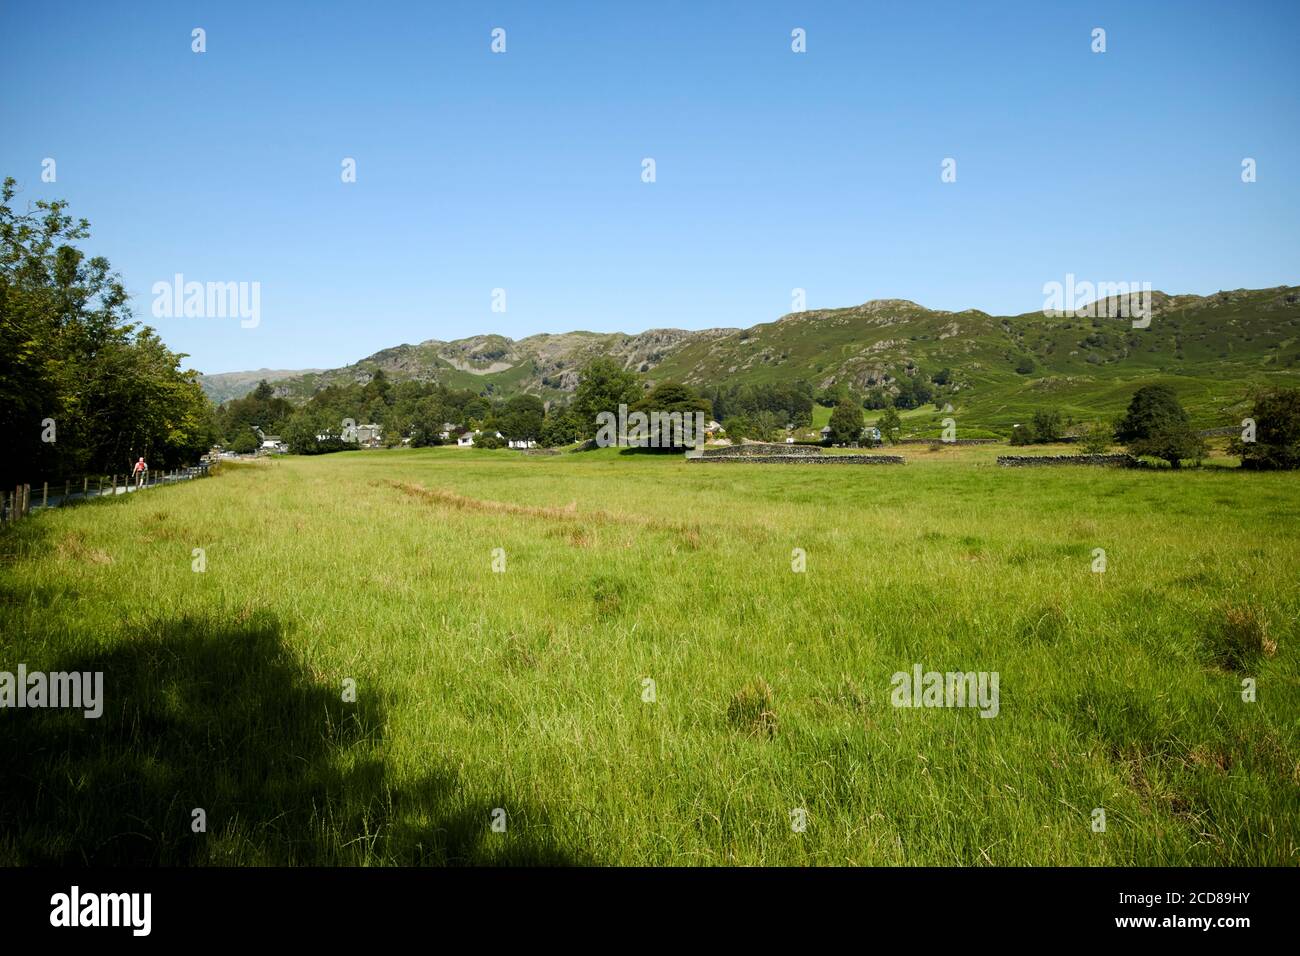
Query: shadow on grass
<point x="221" y="715"/>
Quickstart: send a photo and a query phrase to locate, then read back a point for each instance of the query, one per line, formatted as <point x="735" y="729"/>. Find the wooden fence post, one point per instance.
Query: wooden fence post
<point x="67" y="486"/>
<point x="45" y="495"/>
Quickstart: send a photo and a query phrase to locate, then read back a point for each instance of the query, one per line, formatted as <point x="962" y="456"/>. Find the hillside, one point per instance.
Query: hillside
<point x="1213" y="349"/>
<point x="227" y="385"/>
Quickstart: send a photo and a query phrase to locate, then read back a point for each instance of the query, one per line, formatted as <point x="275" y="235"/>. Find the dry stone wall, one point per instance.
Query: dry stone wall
<point x="1042" y="461"/>
<point x="802" y="459"/>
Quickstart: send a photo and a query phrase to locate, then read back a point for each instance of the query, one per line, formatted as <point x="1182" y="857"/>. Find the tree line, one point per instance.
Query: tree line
<point x="429" y="413"/>
<point x="83" y="388"/>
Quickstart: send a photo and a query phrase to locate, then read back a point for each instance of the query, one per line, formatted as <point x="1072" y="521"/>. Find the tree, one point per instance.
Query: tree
<point x="559" y="428"/>
<point x="1277" y="432"/>
<point x="1046" y="425"/>
<point x="889" y="424"/>
<point x="300" y="433"/>
<point x="877" y="399"/>
<point x="1156" y="425"/>
<point x="846" y="423"/>
<point x="244" y="442"/>
<point x="913" y="392"/>
<point x="521" y="419"/>
<point x="476" y="409"/>
<point x="833" y="395"/>
<point x="82" y="386"/>
<point x="791" y="402"/>
<point x="259" y="407"/>
<point x="674" y="399"/>
<point x="603" y="385"/>
<point x="1095" y="438"/>
<point x="428" y="416"/>
<point x="377" y="389"/>
<point x="760" y="426"/>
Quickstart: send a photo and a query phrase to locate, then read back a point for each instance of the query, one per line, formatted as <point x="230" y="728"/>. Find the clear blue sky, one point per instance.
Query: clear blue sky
<point x="775" y="170"/>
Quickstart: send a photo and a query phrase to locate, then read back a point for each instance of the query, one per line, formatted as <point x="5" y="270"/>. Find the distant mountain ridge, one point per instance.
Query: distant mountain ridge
<point x="1234" y="337"/>
<point x="224" y="386"/>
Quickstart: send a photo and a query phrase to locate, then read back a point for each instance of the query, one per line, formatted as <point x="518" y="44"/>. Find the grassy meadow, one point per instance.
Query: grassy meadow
<point x="525" y="688"/>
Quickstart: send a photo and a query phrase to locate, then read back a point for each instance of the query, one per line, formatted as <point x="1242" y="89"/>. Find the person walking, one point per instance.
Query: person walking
<point x="141" y="472"/>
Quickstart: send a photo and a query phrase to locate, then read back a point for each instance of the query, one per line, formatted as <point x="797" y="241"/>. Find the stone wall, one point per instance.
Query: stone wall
<point x="940" y="441"/>
<point x="802" y="459"/>
<point x="761" y="448"/>
<point x="1039" y="461"/>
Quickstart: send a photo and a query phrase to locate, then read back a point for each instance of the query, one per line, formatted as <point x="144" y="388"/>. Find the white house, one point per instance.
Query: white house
<point x="466" y="440"/>
<point x="520" y="442"/>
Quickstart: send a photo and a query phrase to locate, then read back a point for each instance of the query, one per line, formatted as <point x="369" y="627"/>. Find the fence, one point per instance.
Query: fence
<point x="22" y="500"/>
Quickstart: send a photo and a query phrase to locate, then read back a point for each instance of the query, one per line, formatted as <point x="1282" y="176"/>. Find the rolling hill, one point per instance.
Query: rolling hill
<point x="1212" y="349"/>
<point x="224" y="386"/>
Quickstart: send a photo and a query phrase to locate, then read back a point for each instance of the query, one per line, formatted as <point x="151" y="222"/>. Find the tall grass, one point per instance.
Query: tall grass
<point x="648" y="681"/>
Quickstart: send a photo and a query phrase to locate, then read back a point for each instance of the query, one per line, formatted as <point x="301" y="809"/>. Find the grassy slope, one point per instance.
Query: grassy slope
<point x="1212" y="351"/>
<point x="522" y="690"/>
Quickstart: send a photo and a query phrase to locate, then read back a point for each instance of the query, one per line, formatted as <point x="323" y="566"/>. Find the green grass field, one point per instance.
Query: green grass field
<point x="524" y="689"/>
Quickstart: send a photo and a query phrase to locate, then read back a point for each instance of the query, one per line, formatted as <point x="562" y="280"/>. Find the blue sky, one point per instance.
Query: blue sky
<point x="775" y="170"/>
